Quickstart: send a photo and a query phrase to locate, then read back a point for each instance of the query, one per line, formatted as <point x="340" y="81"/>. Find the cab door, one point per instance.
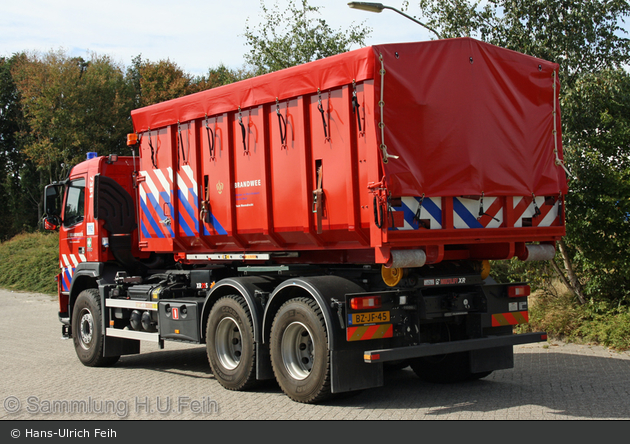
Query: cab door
<point x="72" y="233"/>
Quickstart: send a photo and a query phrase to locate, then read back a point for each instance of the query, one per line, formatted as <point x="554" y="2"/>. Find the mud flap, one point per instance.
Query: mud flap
<point x="263" y="362"/>
<point x="350" y="372"/>
<point x="489" y="359"/>
<point x="120" y="346"/>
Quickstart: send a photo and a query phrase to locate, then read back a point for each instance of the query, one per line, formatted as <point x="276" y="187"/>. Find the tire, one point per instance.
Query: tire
<point x="230" y="344"/>
<point x="445" y="369"/>
<point x="393" y="366"/>
<point x="87" y="330"/>
<point x="299" y="351"/>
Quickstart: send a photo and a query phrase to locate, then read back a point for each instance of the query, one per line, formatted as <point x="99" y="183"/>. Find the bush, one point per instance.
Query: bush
<point x="562" y="317"/>
<point x="30" y="262"/>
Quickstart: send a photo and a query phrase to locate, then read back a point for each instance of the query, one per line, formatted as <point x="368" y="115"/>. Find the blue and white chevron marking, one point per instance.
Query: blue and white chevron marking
<point x="431" y="210"/>
<point x="466" y="213"/>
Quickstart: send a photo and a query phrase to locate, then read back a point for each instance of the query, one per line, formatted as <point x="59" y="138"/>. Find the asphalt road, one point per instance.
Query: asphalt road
<point x="43" y="380"/>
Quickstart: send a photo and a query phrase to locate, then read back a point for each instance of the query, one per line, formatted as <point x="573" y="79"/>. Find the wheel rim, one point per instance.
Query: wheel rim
<point x="297" y="350"/>
<point x="228" y="343"/>
<point x="86" y="328"/>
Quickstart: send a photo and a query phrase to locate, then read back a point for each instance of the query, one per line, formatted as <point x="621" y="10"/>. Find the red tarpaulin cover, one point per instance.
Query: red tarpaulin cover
<point x="467" y="118"/>
<point x="464" y="117"/>
<point x="324" y="74"/>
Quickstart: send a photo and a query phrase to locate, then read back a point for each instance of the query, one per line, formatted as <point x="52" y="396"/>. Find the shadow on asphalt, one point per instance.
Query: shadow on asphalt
<point x="566" y="384"/>
<point x="182" y="361"/>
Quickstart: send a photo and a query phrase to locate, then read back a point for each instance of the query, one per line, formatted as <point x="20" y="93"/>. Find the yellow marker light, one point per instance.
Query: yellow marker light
<point x="132" y="139"/>
<point x="176" y="332"/>
<point x="485" y="269"/>
<point x="392" y="276"/>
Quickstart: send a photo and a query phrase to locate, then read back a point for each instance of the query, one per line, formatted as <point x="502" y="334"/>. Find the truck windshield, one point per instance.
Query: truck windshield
<point x="75" y="200"/>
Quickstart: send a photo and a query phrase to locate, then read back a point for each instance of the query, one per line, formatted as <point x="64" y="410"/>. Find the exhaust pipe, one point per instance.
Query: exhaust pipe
<point x="542" y="252"/>
<point x="406" y="259"/>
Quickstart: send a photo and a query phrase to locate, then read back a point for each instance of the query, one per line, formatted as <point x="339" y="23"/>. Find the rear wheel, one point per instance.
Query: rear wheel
<point x="230" y="343"/>
<point x="87" y="330"/>
<point x="299" y="351"/>
<point x="395" y="365"/>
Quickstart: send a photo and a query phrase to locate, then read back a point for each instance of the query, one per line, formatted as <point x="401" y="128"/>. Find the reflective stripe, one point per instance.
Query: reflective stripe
<point x="431" y="210"/>
<point x="524" y="208"/>
<point x="515" y="318"/>
<point x="466" y="212"/>
<point x="365" y="333"/>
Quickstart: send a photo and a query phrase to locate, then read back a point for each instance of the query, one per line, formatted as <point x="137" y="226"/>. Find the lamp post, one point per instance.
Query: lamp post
<point x="378" y="7"/>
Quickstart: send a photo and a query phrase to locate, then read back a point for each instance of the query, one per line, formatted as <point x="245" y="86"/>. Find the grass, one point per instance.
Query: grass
<point x="30" y="262"/>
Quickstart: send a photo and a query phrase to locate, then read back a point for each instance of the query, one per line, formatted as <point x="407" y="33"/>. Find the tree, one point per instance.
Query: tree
<point x="292" y="37"/>
<point x="581" y="35"/>
<point x="220" y="76"/>
<point x="155" y="82"/>
<point x="18" y="186"/>
<point x="596" y="114"/>
<point x="585" y="38"/>
<point x="72" y="106"/>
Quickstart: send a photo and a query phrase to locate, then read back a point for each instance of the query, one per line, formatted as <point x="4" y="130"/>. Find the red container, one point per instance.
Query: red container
<point x="451" y="148"/>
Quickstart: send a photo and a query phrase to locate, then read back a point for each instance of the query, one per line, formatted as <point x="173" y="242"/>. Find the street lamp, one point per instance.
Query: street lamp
<point x="378" y="7"/>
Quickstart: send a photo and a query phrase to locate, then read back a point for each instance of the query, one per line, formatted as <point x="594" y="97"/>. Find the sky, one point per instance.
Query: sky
<point x="194" y="34"/>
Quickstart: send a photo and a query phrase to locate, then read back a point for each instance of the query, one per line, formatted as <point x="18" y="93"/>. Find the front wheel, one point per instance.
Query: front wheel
<point x="299" y="351"/>
<point x="230" y="344"/>
<point x="87" y="331"/>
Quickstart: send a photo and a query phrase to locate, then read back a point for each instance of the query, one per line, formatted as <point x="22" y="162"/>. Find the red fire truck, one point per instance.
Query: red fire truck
<point x="314" y="224"/>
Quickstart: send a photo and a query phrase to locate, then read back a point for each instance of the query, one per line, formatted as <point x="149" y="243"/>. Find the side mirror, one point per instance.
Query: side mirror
<point x="52" y="206"/>
<point x="51" y="223"/>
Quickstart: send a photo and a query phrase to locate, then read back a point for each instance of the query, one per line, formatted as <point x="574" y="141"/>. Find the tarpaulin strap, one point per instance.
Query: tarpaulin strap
<point x="536" y="209"/>
<point x="244" y="133"/>
<point x="355" y="104"/>
<point x="210" y="135"/>
<point x="418" y="215"/>
<point x="381" y="105"/>
<point x="282" y="124"/>
<point x="321" y="110"/>
<point x="318" y="198"/>
<point x="152" y="152"/>
<point x="555" y="129"/>
<point x="180" y="142"/>
<point x="378" y="213"/>
<point x="390" y="211"/>
<point x="481" y="210"/>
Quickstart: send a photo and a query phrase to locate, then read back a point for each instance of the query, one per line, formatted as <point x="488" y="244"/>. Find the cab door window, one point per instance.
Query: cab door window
<point x="74" y="211"/>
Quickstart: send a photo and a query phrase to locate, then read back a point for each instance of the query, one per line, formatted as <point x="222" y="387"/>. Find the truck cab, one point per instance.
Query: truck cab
<point x="94" y="211"/>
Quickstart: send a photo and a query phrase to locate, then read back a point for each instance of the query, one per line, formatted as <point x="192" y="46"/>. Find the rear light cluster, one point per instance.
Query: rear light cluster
<point x="365" y="302"/>
<point x="518" y="291"/>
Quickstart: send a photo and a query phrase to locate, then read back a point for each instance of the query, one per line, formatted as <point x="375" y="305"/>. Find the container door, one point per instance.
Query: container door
<point x="155" y="189"/>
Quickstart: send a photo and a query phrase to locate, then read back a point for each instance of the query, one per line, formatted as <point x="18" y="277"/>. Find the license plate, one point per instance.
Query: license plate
<point x="371" y="317"/>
